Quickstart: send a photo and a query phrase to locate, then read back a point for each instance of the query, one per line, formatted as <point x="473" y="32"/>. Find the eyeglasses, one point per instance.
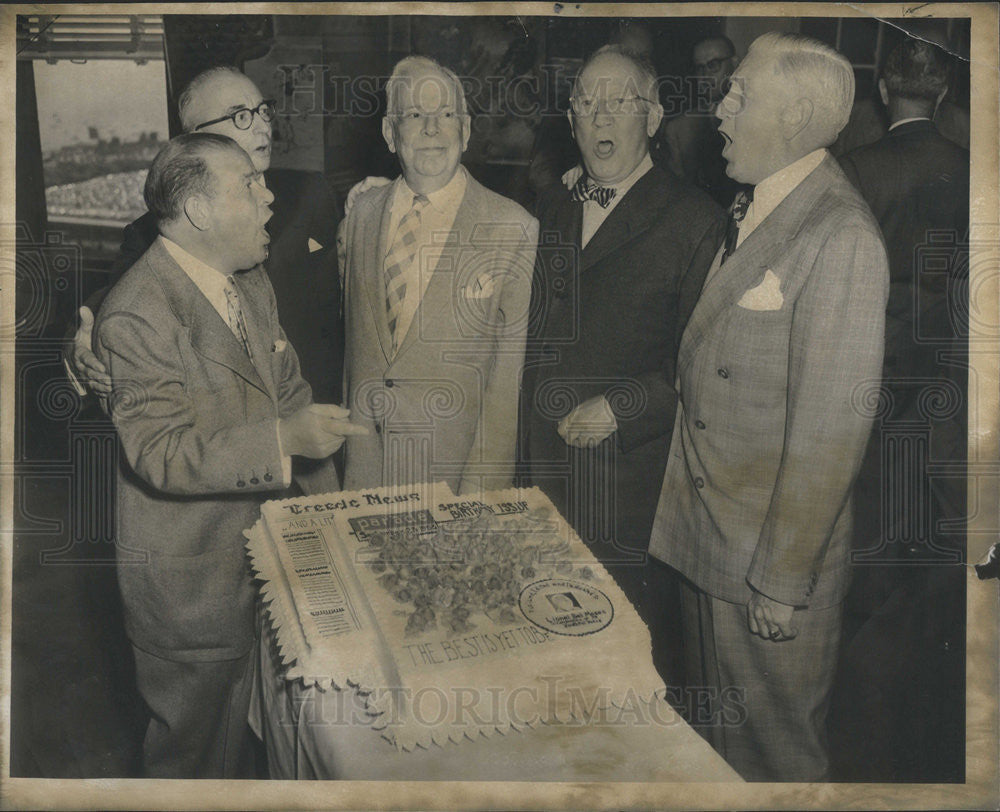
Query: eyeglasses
<point x="415" y="116"/>
<point x="243" y="118"/>
<point x="585" y="106"/>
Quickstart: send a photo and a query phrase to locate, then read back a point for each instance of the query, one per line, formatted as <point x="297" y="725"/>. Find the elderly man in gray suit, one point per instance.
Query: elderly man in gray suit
<point x="210" y="406"/>
<point x="437" y="284"/>
<point x="755" y="509"/>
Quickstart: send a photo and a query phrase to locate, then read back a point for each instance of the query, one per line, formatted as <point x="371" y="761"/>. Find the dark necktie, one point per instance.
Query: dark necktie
<point x="736" y="215"/>
<point x="583" y="189"/>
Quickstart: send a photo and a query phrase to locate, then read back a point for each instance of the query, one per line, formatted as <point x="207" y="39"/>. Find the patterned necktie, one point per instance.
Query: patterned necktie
<point x="236" y="321"/>
<point x="736" y="215"/>
<point x="399" y="259"/>
<point x="583" y="189"/>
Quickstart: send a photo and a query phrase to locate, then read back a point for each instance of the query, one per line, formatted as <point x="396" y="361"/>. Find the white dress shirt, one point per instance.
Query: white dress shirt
<point x="769" y="193"/>
<point x="436" y="221"/>
<point x="212" y="284"/>
<point x="594" y="216"/>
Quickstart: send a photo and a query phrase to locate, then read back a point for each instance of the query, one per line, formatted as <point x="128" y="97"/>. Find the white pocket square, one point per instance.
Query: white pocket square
<point x="766" y="296"/>
<point x="482" y="288"/>
<point x="314" y="246"/>
<point x="279" y="345"/>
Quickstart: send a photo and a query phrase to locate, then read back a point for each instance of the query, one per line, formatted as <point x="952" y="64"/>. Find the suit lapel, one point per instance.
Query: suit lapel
<point x="376" y="246"/>
<point x="755" y="254"/>
<point x="210" y="335"/>
<point x="637" y="211"/>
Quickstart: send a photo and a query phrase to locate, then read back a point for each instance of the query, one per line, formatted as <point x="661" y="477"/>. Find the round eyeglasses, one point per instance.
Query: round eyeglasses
<point x="243" y="118"/>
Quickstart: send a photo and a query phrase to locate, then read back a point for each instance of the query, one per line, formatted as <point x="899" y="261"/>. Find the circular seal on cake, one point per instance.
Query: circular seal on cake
<point x="565" y="606"/>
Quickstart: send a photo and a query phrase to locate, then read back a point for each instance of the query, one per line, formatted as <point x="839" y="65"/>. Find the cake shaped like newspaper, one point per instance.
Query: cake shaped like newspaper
<point x="451" y="617"/>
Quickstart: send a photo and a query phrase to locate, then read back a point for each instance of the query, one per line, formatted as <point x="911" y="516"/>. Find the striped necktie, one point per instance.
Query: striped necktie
<point x="401" y="254"/>
<point x="236" y="321"/>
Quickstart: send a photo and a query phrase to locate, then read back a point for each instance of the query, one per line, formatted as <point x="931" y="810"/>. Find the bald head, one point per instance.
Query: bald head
<point x="219" y="92"/>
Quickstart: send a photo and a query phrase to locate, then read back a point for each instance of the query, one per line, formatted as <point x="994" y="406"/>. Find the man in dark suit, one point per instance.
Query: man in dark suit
<point x="302" y="259"/>
<point x="622" y="257"/>
<point x="917" y="184"/>
<point x="209" y="405"/>
<point x="755" y="510"/>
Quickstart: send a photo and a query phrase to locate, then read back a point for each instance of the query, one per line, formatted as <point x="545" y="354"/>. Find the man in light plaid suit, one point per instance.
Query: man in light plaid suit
<point x="773" y="371"/>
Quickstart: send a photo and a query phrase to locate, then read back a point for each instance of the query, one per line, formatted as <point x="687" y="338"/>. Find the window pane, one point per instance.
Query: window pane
<point x="101" y="124"/>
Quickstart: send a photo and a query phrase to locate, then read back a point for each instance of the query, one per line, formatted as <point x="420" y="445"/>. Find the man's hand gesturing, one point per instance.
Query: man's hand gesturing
<point x="317" y="430"/>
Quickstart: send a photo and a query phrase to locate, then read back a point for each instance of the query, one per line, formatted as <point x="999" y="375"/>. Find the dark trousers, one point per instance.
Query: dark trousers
<point x="653" y="589"/>
<point x="198" y="726"/>
<point x="765" y="702"/>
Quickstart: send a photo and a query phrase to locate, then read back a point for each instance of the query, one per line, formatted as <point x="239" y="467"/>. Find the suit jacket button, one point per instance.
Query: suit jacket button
<point x="389" y="383"/>
<point x="723" y="372"/>
<point x="240" y="483"/>
<point x="699" y="482"/>
<point x="268" y="477"/>
<point x="254" y="481"/>
<point x="699" y="424"/>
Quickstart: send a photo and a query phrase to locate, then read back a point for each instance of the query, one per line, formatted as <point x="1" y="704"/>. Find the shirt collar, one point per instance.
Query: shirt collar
<point x="903" y="121"/>
<point x="775" y="188"/>
<point x="445" y="199"/>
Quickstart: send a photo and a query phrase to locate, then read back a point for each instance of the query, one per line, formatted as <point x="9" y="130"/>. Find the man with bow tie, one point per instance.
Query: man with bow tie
<point x="778" y="375"/>
<point x="621" y="260"/>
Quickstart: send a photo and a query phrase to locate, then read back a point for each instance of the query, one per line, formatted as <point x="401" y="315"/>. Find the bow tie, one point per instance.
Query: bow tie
<point x="583" y="189"/>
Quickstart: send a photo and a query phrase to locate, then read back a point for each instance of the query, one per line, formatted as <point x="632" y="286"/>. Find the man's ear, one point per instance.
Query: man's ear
<point x="883" y="92"/>
<point x="795" y="117"/>
<point x="387" y="134"/>
<point x="653" y="119"/>
<point x="466" y="120"/>
<point x="198" y="211"/>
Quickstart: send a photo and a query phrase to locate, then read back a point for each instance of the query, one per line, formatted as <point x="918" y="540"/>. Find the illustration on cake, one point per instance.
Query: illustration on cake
<point x="492" y="603"/>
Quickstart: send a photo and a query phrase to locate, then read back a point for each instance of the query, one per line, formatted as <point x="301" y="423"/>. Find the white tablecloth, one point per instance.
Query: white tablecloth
<point x="316" y="734"/>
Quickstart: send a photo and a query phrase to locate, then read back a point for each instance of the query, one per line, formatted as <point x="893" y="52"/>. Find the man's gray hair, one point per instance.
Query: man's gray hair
<point x="402" y="75"/>
<point x="181" y="170"/>
<point x="192" y="88"/>
<point x="640" y="62"/>
<point x="822" y="74"/>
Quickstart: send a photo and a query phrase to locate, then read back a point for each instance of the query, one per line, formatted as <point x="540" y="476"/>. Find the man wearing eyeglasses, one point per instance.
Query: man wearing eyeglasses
<point x="692" y="138"/>
<point x="302" y="263"/>
<point x="621" y="260"/>
<point x="437" y="282"/>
